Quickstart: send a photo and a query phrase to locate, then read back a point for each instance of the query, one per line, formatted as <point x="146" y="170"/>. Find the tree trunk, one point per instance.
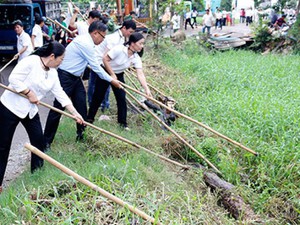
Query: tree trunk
<point x="230" y="200"/>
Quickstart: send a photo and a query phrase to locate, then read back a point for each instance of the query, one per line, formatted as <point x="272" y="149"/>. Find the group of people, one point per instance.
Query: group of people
<point x="58" y="69"/>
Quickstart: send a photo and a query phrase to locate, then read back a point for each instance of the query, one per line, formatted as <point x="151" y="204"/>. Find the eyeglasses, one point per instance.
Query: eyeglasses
<point x="101" y="35"/>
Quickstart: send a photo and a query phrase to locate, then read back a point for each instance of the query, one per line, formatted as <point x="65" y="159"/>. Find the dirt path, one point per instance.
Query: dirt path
<point x="19" y="158"/>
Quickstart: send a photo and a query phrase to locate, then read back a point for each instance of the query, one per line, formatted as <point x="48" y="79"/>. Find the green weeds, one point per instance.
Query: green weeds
<point x="250" y="98"/>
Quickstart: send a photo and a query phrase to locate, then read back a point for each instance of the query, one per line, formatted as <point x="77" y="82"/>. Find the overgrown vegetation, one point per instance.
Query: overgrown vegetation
<point x="251" y="98"/>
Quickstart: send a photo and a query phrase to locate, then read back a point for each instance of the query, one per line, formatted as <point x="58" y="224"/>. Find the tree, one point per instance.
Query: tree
<point x="226" y="5"/>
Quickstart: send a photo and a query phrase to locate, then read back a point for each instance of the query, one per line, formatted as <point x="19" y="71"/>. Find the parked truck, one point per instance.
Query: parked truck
<point x="26" y="11"/>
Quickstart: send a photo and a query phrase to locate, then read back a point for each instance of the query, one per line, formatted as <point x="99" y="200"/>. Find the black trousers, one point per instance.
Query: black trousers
<point x="74" y="88"/>
<point x="99" y="94"/>
<point x="188" y="21"/>
<point x="8" y="124"/>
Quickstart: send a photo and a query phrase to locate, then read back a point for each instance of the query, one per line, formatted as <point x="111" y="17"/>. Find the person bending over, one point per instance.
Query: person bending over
<point x="116" y="61"/>
<point x="34" y="76"/>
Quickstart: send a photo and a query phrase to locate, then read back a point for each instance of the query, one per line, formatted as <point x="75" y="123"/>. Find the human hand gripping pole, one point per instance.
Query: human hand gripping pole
<point x="104" y="131"/>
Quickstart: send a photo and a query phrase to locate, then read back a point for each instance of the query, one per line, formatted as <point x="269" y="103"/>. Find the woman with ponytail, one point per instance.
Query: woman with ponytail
<point x="116" y="61"/>
<point x="34" y="77"/>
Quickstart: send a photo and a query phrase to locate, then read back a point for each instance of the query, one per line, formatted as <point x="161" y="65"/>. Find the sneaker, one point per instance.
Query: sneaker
<point x="127" y="128"/>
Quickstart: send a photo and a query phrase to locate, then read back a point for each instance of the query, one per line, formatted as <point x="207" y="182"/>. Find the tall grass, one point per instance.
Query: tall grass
<point x="251" y="98"/>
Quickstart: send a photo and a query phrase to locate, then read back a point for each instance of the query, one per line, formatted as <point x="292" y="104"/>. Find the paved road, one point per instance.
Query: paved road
<point x="238" y="30"/>
<point x="19" y="157"/>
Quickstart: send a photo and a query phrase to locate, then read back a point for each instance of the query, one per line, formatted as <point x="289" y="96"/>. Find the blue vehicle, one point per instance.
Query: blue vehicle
<point x="26" y="12"/>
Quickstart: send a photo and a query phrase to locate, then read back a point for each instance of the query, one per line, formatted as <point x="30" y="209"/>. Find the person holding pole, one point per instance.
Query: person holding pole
<point x="24" y="44"/>
<point x="34" y="77"/>
<point x="116" y="61"/>
<point x="79" y="53"/>
<point x="117" y="38"/>
<point x="83" y="26"/>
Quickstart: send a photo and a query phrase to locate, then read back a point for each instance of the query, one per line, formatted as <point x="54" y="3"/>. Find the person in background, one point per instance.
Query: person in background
<point x="194" y="17"/>
<point x="79" y="53"/>
<point x="24" y="44"/>
<point x="60" y="35"/>
<point x="83" y="26"/>
<point x="219" y="21"/>
<point x="116" y="61"/>
<point x="33" y="77"/>
<point x="50" y="29"/>
<point x="242" y="15"/>
<point x="131" y="16"/>
<point x="119" y="37"/>
<point x="175" y="22"/>
<point x="62" y="19"/>
<point x="280" y="22"/>
<point x="188" y="16"/>
<point x="37" y="33"/>
<point x="249" y="16"/>
<point x="208" y="21"/>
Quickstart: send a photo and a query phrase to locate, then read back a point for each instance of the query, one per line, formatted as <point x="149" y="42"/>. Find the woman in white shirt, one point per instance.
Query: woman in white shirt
<point x="34" y="76"/>
<point x="116" y="61"/>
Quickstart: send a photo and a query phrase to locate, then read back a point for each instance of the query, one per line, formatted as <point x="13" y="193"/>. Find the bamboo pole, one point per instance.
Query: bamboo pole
<point x="135" y="108"/>
<point x="63" y="27"/>
<point x="175" y="133"/>
<point x="131" y="81"/>
<point x="102" y="130"/>
<point x="88" y="183"/>
<point x="79" y="12"/>
<point x="7" y="64"/>
<point x="192" y="120"/>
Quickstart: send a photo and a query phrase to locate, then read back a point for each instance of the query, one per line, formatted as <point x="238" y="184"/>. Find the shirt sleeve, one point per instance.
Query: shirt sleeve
<point x="27" y="40"/>
<point x="34" y="31"/>
<point x="89" y="53"/>
<point x="20" y="73"/>
<point x="137" y="62"/>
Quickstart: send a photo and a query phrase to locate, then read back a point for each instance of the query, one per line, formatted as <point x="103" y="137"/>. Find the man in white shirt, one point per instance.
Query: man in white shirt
<point x="175" y="22"/>
<point x="83" y="26"/>
<point x="24" y="44"/>
<point x="207" y="21"/>
<point x="37" y="33"/>
<point x="79" y="53"/>
<point x="117" y="38"/>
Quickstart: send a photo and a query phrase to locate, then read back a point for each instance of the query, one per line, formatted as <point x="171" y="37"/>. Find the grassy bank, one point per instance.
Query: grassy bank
<point x="250" y="98"/>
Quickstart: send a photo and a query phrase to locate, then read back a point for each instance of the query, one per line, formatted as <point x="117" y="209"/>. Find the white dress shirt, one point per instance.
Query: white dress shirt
<point x="29" y="74"/>
<point x="109" y="42"/>
<point x="82" y="27"/>
<point x="79" y="53"/>
<point x="38" y="33"/>
<point x="23" y="41"/>
<point x="120" y="60"/>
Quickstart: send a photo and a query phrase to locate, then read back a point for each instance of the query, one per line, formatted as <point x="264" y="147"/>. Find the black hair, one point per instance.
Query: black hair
<point x="39" y="20"/>
<point x="132" y="13"/>
<point x="18" y="22"/>
<point x="135" y="37"/>
<point x="97" y="25"/>
<point x="49" y="48"/>
<point x="129" y="24"/>
<point x="94" y="14"/>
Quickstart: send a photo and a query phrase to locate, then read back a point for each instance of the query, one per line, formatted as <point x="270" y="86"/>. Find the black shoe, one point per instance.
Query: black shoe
<point x="79" y="138"/>
<point x="47" y="147"/>
<point x="90" y="120"/>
